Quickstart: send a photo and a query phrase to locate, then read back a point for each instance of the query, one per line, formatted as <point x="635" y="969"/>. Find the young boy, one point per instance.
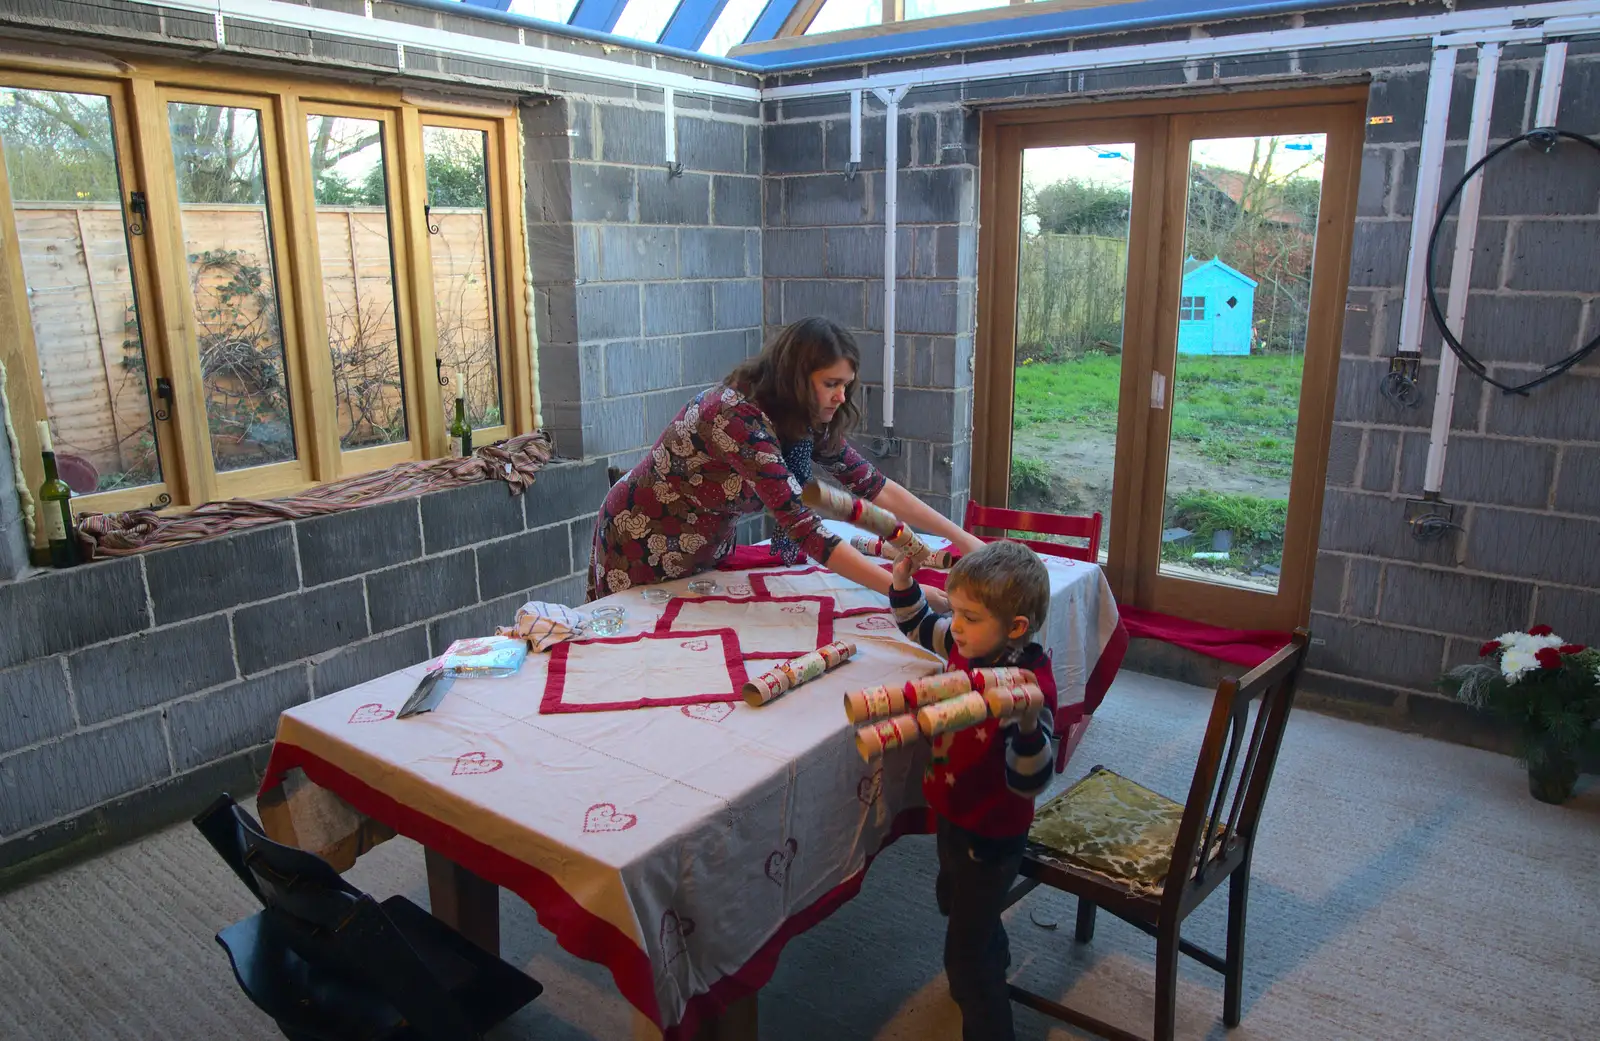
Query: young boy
<point x="982" y="781"/>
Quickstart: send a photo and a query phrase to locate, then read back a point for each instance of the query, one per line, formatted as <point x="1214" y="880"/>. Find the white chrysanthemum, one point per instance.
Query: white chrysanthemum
<point x="1515" y="662"/>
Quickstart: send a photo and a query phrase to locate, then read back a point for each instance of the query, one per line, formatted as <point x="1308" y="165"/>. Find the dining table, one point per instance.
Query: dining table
<point x="656" y="822"/>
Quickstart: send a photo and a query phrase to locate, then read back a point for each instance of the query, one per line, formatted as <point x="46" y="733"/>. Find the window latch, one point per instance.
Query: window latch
<point x="140" y="208"/>
<point x="163" y="394"/>
<point x="427" y="218"/>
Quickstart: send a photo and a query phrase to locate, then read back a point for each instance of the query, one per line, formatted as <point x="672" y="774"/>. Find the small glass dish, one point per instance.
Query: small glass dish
<point x="655" y="595"/>
<point x="607" y="621"/>
<point x="702" y="587"/>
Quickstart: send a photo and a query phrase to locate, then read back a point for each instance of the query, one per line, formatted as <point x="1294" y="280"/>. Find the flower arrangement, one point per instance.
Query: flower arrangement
<point x="1549" y="690"/>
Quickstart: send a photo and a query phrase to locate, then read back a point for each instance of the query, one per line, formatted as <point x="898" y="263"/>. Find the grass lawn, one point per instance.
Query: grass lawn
<point x="1232" y="409"/>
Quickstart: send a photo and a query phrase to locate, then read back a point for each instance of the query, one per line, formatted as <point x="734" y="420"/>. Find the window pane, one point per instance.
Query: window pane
<point x="551" y="10"/>
<point x="1249" y="238"/>
<point x="644" y="19"/>
<point x="933" y="8"/>
<point x="460" y="240"/>
<point x="347" y="171"/>
<point x="66" y="188"/>
<point x="846" y="14"/>
<point x="222" y="196"/>
<point x="732" y="26"/>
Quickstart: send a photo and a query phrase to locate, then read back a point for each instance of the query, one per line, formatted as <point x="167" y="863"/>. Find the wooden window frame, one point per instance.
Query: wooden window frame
<point x="139" y="91"/>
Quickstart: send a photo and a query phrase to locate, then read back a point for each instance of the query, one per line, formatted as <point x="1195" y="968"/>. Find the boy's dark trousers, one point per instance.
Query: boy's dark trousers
<point x="975" y="874"/>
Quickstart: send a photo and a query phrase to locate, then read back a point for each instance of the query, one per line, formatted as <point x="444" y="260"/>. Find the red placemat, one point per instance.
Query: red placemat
<point x="608" y="675"/>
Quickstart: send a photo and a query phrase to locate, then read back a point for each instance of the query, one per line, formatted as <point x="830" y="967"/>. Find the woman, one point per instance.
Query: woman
<point x="745" y="445"/>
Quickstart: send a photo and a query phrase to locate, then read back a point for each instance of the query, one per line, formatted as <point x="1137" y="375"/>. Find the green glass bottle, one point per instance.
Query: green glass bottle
<point x="55" y="506"/>
<point x="460" y="429"/>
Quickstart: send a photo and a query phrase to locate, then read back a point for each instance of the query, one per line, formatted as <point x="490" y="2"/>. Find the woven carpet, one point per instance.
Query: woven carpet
<point x="1403" y="888"/>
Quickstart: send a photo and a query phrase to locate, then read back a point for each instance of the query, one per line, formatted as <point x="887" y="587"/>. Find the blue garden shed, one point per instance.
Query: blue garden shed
<point x="1215" y="309"/>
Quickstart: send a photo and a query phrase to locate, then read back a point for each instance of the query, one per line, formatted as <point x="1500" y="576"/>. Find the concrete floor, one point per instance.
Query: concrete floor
<point x="1403" y="888"/>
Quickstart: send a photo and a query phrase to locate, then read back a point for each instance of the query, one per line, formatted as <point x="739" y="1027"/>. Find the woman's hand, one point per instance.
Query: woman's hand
<point x="936" y="599"/>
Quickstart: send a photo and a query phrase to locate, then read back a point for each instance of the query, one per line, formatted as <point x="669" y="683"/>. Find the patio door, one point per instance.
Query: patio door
<point x="1161" y="301"/>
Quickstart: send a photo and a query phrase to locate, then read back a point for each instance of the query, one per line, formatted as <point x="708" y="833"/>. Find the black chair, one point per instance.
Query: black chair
<point x="1145" y="858"/>
<point x="329" y="963"/>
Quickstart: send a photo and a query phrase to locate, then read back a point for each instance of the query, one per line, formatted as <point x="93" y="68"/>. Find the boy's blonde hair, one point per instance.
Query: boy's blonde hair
<point x="1007" y="578"/>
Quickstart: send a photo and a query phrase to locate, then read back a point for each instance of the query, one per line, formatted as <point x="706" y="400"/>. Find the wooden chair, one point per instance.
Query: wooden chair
<point x="329" y="963"/>
<point x="1040" y="524"/>
<point x="1148" y="869"/>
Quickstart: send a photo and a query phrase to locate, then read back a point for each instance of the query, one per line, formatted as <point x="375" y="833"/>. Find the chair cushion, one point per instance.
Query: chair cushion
<point x="1112" y="826"/>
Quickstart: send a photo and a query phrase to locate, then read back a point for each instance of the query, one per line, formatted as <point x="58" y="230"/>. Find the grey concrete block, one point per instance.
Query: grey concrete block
<point x="1377" y="652"/>
<point x="705" y="144"/>
<point x="1327" y="583"/>
<point x="47" y="614"/>
<point x="681" y="307"/>
<point x="237" y="717"/>
<point x="943" y="195"/>
<point x="1574" y="613"/>
<point x="1556" y="256"/>
<point x="663" y="407"/>
<point x="836" y="143"/>
<point x="1484" y="470"/>
<point x="736" y="304"/>
<point x="920" y="307"/>
<point x="1344" y="449"/>
<point x="36" y="703"/>
<point x="841" y="301"/>
<point x="1375" y="525"/>
<point x="1527" y="182"/>
<point x="1358" y="399"/>
<point x="208" y="576"/>
<point x="752" y="251"/>
<point x="523" y="561"/>
<point x="631" y="253"/>
<point x="1378" y="252"/>
<point x="1467" y="605"/>
<point x="615" y="425"/>
<point x="794" y="252"/>
<point x="1580" y="85"/>
<point x="603" y="193"/>
<point x="630" y="135"/>
<point x="928" y="415"/>
<point x="343" y="544"/>
<point x="1488" y="252"/>
<point x="572" y="590"/>
<point x="1578" y="487"/>
<point x="1515" y="327"/>
<point x="1377" y="177"/>
<point x="1382" y="460"/>
<point x="80" y="770"/>
<point x="271" y="634"/>
<point x="1402" y="97"/>
<point x="855" y="252"/>
<point x="116" y="678"/>
<point x="685" y="199"/>
<point x="608" y="312"/>
<point x="474" y="513"/>
<point x="710" y="357"/>
<point x="711" y="253"/>
<point x="736" y="201"/>
<point x="475" y="621"/>
<point x="791" y="147"/>
<point x="1536" y="546"/>
<point x="1562" y="410"/>
<point x="340" y="669"/>
<point x="431" y="586"/>
<point x="632" y="368"/>
<point x="565" y="491"/>
<point x="825" y="199"/>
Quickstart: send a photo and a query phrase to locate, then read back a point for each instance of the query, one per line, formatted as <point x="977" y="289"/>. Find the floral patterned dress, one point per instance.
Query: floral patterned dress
<point x="676" y="512"/>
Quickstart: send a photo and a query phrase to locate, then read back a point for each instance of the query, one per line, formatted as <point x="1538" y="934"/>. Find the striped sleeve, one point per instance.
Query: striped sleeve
<point x="918" y="621"/>
<point x="1029" y="762"/>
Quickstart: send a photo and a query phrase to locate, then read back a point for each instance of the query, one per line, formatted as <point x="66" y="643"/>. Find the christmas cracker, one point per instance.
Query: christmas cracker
<point x="876" y="546"/>
<point x="882" y="735"/>
<point x="837" y="504"/>
<point x="789" y="674"/>
<point x="958" y="713"/>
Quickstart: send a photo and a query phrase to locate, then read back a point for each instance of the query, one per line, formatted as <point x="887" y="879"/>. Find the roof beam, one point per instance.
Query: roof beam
<point x="772" y="20"/>
<point x="691" y="23"/>
<point x="599" y="15"/>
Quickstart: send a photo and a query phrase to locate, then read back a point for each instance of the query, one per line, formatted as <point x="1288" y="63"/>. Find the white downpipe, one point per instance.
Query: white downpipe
<point x="1455" y="311"/>
<point x="1435" y="122"/>
<point x="855" y="129"/>
<point x="891" y="219"/>
<point x="1555" y="69"/>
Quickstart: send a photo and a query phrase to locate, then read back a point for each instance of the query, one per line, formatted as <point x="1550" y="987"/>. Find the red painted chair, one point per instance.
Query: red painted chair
<point x="1039" y="524"/>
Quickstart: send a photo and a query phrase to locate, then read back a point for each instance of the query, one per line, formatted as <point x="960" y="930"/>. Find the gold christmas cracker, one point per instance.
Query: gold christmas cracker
<point x="1005" y="702"/>
<point x="928" y="689"/>
<point x="1002" y="676"/>
<point x="880" y="736"/>
<point x="789" y="674"/>
<point x="875" y="546"/>
<point x="955" y="714"/>
<point x="874" y="703"/>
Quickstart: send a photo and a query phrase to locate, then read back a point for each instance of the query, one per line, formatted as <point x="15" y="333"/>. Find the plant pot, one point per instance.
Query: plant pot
<point x="1552" y="775"/>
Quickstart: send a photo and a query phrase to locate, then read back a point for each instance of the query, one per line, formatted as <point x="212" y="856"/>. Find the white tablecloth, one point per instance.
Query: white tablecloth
<point x="681" y="846"/>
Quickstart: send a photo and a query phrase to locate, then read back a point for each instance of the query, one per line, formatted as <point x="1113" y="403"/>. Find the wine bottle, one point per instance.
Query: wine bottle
<point x="55" y="506"/>
<point x="460" y="429"/>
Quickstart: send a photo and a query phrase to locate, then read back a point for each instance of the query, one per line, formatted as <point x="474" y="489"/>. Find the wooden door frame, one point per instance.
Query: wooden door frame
<point x="1004" y="133"/>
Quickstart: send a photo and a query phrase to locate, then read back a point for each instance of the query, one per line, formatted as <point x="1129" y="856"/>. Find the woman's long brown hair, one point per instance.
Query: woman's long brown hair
<point x="779" y="380"/>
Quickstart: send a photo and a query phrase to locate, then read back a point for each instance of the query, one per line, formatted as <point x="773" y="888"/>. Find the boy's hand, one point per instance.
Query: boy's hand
<point x="902" y="572"/>
<point x="1028" y="721"/>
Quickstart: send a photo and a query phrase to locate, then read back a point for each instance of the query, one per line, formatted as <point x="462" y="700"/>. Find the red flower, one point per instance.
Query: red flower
<point x="1540" y="630"/>
<point x="1572" y="648"/>
<point x="1488" y="648"/>
<point x="1548" y="658"/>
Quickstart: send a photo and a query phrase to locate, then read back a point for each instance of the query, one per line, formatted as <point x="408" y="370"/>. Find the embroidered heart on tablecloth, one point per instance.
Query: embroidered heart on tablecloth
<point x="778" y="861"/>
<point x="740" y="589"/>
<point x="603" y="816"/>
<point x="371" y="713"/>
<point x="695" y="645"/>
<point x="794" y="609"/>
<point x="876" y="621"/>
<point x="869" y="788"/>
<point x="712" y="712"/>
<point x="469" y="763"/>
<point x="675" y="932"/>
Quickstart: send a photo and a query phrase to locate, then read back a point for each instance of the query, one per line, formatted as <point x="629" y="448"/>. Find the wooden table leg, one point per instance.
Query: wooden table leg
<point x="738" y="1023"/>
<point x="464" y="901"/>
